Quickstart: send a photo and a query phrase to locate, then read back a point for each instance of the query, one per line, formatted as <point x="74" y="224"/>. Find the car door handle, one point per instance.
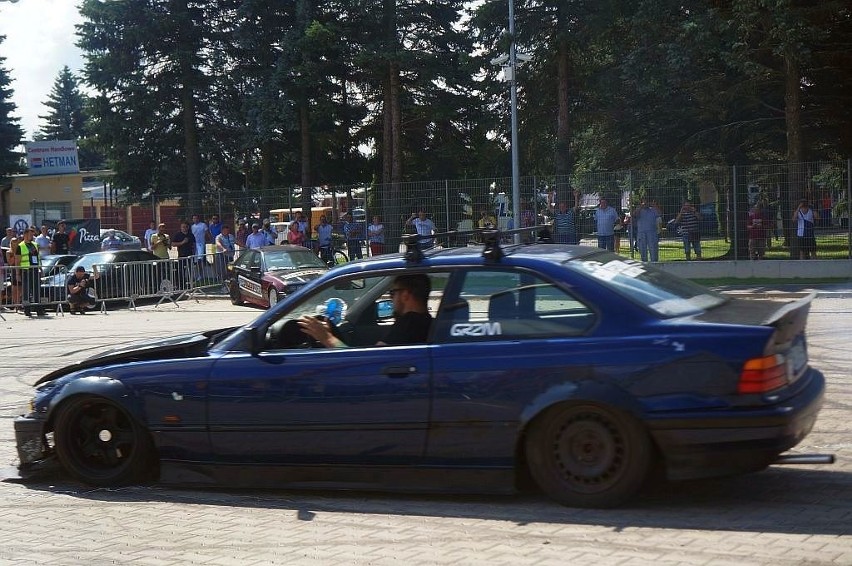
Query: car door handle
<point x="398" y="371"/>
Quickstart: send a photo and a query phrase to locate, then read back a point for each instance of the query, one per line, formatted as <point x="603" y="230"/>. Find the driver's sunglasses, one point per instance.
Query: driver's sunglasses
<point x="392" y="292"/>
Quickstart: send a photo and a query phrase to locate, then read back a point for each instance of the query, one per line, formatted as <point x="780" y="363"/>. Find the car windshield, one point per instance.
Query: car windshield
<point x="289" y="259"/>
<point x="89" y="260"/>
<point x="657" y="290"/>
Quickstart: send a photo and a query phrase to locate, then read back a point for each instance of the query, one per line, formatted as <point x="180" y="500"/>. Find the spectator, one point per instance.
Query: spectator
<point x="201" y="235"/>
<point x="256" y="239"/>
<point x="806" y="218"/>
<point x="215" y="226"/>
<point x="14" y="273"/>
<point x="758" y="227"/>
<point x="152" y="229"/>
<point x="689" y="227"/>
<point x="28" y="260"/>
<point x="486" y="220"/>
<point x="111" y="242"/>
<point x="185" y="243"/>
<point x="5" y="243"/>
<point x="43" y="242"/>
<point x="241" y="235"/>
<point x="605" y="220"/>
<point x="565" y="223"/>
<point x="271" y="235"/>
<point x="161" y="243"/>
<point x="527" y="221"/>
<point x="294" y="235"/>
<point x="60" y="240"/>
<point x="225" y="248"/>
<point x="645" y="221"/>
<point x="304" y="229"/>
<point x="376" y="236"/>
<point x="826" y="208"/>
<point x="424" y="228"/>
<point x="78" y="285"/>
<point x="354" y="237"/>
<point x="324" y="240"/>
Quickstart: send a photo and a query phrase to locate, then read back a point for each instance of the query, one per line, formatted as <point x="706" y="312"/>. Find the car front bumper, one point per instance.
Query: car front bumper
<point x="30" y="440"/>
<point x="735" y="441"/>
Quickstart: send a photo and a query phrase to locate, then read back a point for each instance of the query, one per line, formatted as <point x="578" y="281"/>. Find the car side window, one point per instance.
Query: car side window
<point x="505" y="304"/>
<point x="254" y="260"/>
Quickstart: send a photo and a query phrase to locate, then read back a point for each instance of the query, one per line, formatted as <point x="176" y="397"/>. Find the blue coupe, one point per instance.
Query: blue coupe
<point x="571" y="365"/>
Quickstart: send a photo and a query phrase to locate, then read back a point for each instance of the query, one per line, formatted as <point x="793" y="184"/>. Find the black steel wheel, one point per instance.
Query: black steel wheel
<point x="588" y="455"/>
<point x="100" y="444"/>
<point x="234" y="292"/>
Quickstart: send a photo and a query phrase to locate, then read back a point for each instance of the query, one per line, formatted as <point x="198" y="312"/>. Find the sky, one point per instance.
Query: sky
<point x="39" y="42"/>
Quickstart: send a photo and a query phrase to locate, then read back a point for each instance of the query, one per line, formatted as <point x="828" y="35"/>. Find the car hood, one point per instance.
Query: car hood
<point x="183" y="346"/>
<point x="295" y="277"/>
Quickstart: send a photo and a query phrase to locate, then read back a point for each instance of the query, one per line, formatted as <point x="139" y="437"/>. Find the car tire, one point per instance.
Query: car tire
<point x="101" y="444"/>
<point x="588" y="455"/>
<point x="234" y="292"/>
<point x="272" y="297"/>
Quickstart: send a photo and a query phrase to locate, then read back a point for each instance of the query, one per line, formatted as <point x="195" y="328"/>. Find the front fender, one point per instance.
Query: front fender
<point x="100" y="386"/>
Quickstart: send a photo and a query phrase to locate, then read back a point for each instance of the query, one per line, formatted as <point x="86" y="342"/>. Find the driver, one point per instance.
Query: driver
<point x="410" y="294"/>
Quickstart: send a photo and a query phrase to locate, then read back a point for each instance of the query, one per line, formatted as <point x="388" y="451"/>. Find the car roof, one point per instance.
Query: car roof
<point x="284" y="248"/>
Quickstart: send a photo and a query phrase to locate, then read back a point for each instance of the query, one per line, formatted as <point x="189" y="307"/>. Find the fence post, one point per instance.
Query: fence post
<point x="848" y="206"/>
<point x="447" y="204"/>
<point x="733" y="221"/>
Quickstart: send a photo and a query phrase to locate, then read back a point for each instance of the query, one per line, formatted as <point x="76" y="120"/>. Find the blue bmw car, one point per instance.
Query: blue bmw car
<point x="568" y="364"/>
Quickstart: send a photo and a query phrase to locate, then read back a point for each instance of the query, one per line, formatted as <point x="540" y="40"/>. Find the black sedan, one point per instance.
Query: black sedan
<point x="57" y="263"/>
<point x="568" y="364"/>
<point x="264" y="276"/>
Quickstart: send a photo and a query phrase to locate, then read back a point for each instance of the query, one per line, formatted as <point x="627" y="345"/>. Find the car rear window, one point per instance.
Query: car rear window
<point x="667" y="295"/>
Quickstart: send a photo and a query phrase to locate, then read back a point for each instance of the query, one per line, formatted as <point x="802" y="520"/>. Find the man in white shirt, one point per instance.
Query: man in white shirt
<point x="424" y="227"/>
<point x="43" y="242"/>
<point x="148" y="233"/>
<point x="606" y="218"/>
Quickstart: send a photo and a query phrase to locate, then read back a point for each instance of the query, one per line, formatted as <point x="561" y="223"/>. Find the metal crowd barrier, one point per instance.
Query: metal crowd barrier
<point x="167" y="279"/>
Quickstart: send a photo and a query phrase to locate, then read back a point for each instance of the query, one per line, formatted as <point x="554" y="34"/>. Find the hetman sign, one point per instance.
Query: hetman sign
<point x="52" y="157"/>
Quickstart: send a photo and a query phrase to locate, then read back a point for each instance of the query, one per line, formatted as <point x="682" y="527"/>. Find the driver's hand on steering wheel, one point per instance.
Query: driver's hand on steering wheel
<point x="320" y="330"/>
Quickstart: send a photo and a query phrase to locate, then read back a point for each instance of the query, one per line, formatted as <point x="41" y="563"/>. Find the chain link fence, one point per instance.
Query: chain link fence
<point x="723" y="197"/>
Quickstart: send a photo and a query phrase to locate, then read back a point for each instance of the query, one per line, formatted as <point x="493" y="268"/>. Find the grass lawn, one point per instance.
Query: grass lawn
<point x="833" y="245"/>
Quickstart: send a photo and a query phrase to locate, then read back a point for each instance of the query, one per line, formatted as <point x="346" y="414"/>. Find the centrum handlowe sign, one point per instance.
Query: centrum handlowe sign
<point x="52" y="157"/>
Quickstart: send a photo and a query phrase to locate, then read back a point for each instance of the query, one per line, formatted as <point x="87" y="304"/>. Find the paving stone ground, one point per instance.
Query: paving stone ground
<point x="782" y="516"/>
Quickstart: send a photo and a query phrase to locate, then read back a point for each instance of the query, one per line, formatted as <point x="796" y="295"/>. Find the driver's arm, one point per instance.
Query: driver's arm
<point x="320" y="331"/>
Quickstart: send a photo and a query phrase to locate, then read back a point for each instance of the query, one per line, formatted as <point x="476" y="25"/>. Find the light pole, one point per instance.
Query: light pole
<point x="510" y="64"/>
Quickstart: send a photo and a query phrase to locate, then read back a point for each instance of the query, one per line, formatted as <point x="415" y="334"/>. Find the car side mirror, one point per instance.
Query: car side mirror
<point x="256" y="339"/>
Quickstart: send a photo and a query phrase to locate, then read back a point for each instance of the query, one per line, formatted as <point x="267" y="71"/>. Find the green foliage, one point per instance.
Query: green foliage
<point x="10" y="131"/>
<point x="225" y="96"/>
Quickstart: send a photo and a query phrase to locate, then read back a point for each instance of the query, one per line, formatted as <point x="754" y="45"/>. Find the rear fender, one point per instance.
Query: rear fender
<point x="592" y="392"/>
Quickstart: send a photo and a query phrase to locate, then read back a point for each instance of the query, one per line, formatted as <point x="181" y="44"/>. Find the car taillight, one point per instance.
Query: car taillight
<point x="764" y="374"/>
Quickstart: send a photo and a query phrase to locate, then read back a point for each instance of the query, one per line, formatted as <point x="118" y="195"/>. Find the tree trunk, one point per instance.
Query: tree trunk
<point x="307" y="181"/>
<point x="193" y="157"/>
<point x="394" y="216"/>
<point x="795" y="168"/>
<point x="563" y="130"/>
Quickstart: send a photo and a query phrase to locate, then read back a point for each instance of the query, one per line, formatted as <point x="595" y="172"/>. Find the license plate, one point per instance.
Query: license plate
<point x="797" y="358"/>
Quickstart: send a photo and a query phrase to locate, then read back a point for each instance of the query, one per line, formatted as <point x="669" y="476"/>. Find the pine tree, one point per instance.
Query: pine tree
<point x="66" y="119"/>
<point x="11" y="133"/>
